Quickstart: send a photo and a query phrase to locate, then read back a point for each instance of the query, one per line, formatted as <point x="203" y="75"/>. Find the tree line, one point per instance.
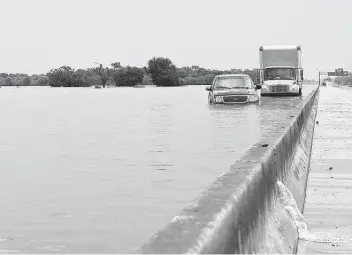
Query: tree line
<point x="344" y="80"/>
<point x="159" y="71"/>
<point x="20" y="79"/>
<point x="340" y="80"/>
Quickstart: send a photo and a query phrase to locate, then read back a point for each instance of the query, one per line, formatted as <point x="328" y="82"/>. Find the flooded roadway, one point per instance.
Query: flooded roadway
<point x="100" y="171"/>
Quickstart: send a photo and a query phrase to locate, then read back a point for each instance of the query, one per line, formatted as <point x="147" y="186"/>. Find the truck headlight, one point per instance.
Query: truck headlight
<point x="294" y="88"/>
<point x="218" y="99"/>
<point x="265" y="88"/>
<point x="252" y="98"/>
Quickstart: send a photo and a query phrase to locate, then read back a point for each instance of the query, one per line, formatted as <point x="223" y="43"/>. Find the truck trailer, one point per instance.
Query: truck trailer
<point x="280" y="70"/>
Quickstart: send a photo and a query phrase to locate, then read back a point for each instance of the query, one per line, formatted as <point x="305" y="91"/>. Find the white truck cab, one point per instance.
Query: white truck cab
<point x="280" y="70"/>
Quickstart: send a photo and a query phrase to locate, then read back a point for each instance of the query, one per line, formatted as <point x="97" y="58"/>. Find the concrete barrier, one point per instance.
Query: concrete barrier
<point x="251" y="208"/>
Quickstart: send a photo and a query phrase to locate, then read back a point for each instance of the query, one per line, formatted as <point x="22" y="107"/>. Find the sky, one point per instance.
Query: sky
<point x="39" y="35"/>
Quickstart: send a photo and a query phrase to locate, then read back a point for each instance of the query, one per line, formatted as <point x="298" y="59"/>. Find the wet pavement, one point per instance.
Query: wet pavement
<point x="328" y="208"/>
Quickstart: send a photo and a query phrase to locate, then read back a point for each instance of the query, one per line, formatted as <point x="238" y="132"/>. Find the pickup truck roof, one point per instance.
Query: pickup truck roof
<point x="279" y="67"/>
<point x="233" y="75"/>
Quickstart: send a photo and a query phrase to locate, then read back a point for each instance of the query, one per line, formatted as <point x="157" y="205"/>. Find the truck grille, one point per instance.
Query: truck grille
<point x="235" y="99"/>
<point x="279" y="88"/>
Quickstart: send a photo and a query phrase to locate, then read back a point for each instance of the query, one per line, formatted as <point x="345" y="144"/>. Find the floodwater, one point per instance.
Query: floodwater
<point x="99" y="171"/>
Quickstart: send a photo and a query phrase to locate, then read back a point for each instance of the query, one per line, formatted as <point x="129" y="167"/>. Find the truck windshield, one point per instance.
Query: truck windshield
<point x="233" y="82"/>
<point x="279" y="74"/>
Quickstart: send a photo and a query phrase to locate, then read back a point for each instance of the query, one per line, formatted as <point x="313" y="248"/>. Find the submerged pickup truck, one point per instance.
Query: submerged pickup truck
<point x="233" y="89"/>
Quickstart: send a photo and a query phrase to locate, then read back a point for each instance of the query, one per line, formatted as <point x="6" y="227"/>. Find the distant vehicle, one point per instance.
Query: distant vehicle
<point x="233" y="89"/>
<point x="97" y="86"/>
<point x="280" y="70"/>
<point x="323" y="83"/>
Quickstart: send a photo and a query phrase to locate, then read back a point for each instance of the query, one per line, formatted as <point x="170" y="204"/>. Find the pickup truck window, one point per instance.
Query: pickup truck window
<point x="233" y="82"/>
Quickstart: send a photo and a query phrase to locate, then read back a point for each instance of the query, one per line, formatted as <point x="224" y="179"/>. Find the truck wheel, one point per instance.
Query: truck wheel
<point x="209" y="100"/>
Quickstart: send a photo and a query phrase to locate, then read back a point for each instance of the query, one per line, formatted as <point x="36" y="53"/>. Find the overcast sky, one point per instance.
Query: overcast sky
<point x="38" y="35"/>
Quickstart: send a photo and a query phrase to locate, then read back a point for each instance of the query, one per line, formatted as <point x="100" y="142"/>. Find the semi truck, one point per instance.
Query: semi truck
<point x="280" y="70"/>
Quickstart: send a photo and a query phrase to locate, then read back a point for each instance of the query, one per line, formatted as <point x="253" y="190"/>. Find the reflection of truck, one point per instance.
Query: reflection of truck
<point x="280" y="71"/>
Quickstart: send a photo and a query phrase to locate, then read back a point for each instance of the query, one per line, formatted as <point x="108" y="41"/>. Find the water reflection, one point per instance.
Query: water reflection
<point x="275" y="110"/>
<point x="239" y="123"/>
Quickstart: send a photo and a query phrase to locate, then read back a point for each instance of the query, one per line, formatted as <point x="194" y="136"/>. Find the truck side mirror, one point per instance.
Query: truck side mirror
<point x="208" y="89"/>
<point x="302" y="78"/>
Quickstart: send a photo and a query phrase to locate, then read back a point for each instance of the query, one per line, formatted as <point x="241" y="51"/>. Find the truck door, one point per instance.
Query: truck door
<point x="299" y="75"/>
<point x="261" y="76"/>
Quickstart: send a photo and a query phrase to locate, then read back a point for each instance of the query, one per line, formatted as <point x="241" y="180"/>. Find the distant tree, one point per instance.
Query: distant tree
<point x="116" y="66"/>
<point x="196" y="75"/>
<point x="8" y="82"/>
<point x="343" y="80"/>
<point x="92" y="78"/>
<point x="253" y="74"/>
<point x="195" y="70"/>
<point x="43" y="81"/>
<point x="103" y="73"/>
<point x="208" y="79"/>
<point x="26" y="81"/>
<point x="163" y="72"/>
<point x="192" y="81"/>
<point x="80" y="72"/>
<point x="147" y="80"/>
<point x="182" y="73"/>
<point x="4" y="75"/>
<point x="235" y="70"/>
<point x="64" y="77"/>
<point x="128" y="76"/>
<point x="338" y="81"/>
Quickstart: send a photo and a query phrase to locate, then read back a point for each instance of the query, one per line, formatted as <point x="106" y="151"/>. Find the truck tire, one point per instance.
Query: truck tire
<point x="209" y="100"/>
